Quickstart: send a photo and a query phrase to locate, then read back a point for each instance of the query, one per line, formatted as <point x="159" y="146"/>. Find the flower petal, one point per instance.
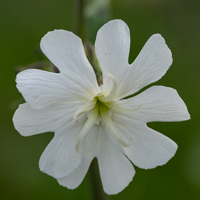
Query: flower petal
<point x="74" y="179"/>
<point x="65" y="50"/>
<point x="150" y="65"/>
<point x="29" y="121"/>
<point x="112" y="48"/>
<point x="60" y="158"/>
<point x="116" y="171"/>
<point x="41" y="88"/>
<point x="157" y="103"/>
<point x="149" y="148"/>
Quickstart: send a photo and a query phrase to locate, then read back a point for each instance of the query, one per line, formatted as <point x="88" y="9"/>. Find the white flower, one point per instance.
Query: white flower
<point x="96" y="121"/>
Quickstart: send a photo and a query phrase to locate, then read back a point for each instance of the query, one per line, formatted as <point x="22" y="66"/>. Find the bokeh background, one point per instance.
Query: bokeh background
<point x="24" y="22"/>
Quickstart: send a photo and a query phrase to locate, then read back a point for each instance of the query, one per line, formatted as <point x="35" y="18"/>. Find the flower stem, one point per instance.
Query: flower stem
<point x="79" y="18"/>
<point x="78" y="29"/>
<point x="98" y="193"/>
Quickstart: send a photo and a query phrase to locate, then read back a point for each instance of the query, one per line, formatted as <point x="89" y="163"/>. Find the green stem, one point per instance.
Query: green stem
<point x="78" y="29"/>
<point x="79" y="18"/>
<point x="96" y="185"/>
<point x="91" y="55"/>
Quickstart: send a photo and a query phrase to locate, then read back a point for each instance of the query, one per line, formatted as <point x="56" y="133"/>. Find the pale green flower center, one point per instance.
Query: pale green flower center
<point x="99" y="111"/>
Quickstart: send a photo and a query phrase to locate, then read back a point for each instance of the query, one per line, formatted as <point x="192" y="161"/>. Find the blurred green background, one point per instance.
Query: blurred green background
<point x="24" y="22"/>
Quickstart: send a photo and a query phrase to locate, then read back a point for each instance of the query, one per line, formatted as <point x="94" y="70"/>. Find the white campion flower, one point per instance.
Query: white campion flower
<point x="96" y="121"/>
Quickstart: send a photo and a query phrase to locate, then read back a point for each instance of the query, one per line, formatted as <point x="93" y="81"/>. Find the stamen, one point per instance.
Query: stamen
<point x="109" y="125"/>
<point x="92" y="116"/>
<point x="84" y="108"/>
<point x="113" y="91"/>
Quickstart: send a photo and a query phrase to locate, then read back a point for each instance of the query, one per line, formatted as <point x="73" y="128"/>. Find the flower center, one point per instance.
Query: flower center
<point x="99" y="111"/>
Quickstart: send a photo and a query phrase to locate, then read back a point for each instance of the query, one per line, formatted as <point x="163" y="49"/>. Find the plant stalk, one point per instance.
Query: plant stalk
<point x="98" y="193"/>
<point x="79" y="18"/>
